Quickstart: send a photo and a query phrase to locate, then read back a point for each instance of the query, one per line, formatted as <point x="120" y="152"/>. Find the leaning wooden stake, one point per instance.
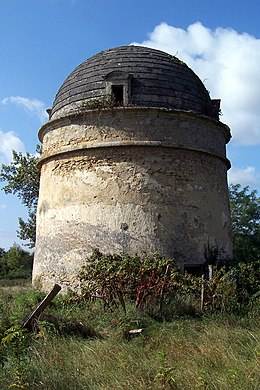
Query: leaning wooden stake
<point x="29" y="323"/>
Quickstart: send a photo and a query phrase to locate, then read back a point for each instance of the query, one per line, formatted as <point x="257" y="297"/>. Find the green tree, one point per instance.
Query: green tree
<point x="2" y="252"/>
<point x="18" y="262"/>
<point x="22" y="178"/>
<point x="245" y="218"/>
<point x="2" y="263"/>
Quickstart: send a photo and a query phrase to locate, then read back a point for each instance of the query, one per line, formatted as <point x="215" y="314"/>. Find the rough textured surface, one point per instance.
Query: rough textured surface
<point x="152" y="79"/>
<point x="134" y="179"/>
<point x="124" y="126"/>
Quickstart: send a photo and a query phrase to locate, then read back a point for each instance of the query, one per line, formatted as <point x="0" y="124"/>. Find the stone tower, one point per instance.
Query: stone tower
<point x="134" y="160"/>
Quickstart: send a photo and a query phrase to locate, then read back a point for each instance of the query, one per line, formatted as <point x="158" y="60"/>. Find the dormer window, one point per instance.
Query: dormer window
<point x="118" y="94"/>
<point x="118" y="85"/>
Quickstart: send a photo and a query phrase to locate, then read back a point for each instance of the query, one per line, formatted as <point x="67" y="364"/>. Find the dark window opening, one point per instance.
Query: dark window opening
<point x="118" y="93"/>
<point x="194" y="270"/>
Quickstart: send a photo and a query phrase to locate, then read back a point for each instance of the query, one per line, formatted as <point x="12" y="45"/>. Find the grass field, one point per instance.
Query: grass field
<point x="199" y="352"/>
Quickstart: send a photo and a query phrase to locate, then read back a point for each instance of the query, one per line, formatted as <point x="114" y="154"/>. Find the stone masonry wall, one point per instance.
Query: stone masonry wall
<point x="131" y="180"/>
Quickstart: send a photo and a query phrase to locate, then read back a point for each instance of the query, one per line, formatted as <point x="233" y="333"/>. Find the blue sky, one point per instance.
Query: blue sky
<point x="42" y="41"/>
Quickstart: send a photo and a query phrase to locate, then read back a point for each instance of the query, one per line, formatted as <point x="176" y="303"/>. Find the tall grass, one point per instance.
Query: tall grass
<point x="204" y="352"/>
<point x="183" y="354"/>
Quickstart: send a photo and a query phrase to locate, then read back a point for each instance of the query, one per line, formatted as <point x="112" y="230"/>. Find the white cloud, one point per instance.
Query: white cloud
<point x="244" y="176"/>
<point x="9" y="141"/>
<point x="3" y="206"/>
<point x="228" y="62"/>
<point x="33" y="106"/>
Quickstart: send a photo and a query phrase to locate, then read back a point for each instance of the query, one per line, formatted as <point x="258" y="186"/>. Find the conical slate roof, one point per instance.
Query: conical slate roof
<point x="155" y="79"/>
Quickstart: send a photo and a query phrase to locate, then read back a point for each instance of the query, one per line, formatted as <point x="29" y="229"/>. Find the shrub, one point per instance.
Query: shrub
<point x="115" y="278"/>
<point x="159" y="288"/>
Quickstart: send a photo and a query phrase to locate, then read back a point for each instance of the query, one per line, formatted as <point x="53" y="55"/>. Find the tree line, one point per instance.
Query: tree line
<point x="15" y="263"/>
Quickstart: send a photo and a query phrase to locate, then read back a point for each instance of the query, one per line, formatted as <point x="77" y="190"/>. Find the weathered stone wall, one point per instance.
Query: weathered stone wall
<point x="130" y="179"/>
<point x="134" y="125"/>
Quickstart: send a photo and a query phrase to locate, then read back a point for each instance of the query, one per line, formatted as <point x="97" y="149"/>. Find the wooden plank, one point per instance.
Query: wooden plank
<point x="28" y="324"/>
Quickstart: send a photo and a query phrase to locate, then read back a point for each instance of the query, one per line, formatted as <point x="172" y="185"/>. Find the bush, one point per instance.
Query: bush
<point x="159" y="288"/>
<point x="115" y="278"/>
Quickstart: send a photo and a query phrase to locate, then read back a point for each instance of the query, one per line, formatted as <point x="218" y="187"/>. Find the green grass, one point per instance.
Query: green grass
<point x="204" y="352"/>
<point x="14" y="283"/>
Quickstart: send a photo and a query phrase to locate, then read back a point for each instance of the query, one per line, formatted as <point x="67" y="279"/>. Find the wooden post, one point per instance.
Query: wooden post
<point x="167" y="272"/>
<point x="28" y="324"/>
<point x="210" y="266"/>
<point x="202" y="292"/>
